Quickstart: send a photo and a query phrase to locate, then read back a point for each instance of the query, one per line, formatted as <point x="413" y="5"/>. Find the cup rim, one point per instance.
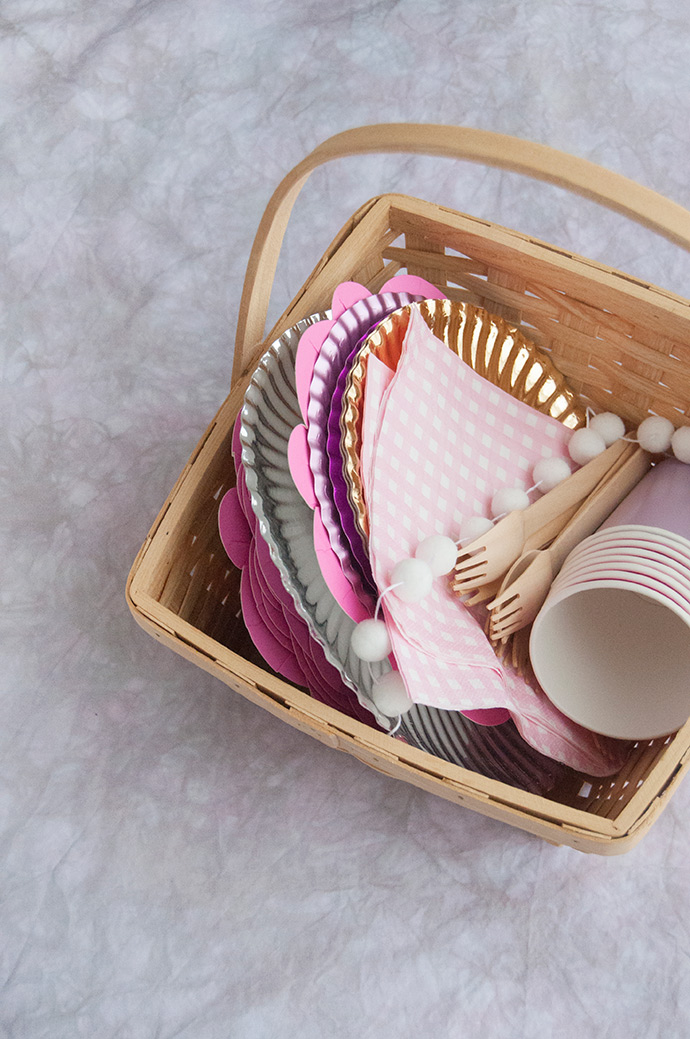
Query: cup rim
<point x="656" y="533"/>
<point x="561" y="591"/>
<point x="637" y="535"/>
<point x="576" y="577"/>
<point x="663" y="565"/>
<point x="631" y="553"/>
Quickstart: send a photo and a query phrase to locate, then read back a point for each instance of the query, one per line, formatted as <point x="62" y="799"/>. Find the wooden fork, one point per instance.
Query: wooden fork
<point x="490" y="556"/>
<point x="527" y="583"/>
<point x="514" y="652"/>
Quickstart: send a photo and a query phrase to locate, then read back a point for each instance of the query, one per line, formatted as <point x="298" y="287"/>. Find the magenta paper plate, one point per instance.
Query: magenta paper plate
<point x="281" y="636"/>
<point x="341" y="497"/>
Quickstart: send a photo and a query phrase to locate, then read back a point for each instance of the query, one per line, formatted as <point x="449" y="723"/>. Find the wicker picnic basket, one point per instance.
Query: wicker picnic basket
<point x="621" y="344"/>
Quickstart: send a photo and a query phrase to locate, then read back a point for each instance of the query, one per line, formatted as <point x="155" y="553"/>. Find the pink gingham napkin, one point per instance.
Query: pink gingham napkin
<point x="447" y="440"/>
<point x="379" y="378"/>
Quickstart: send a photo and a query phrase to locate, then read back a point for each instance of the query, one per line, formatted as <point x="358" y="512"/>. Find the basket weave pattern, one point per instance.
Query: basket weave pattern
<point x="622" y="346"/>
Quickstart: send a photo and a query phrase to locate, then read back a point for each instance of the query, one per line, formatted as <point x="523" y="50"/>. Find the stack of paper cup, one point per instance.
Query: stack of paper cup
<point x="611" y="644"/>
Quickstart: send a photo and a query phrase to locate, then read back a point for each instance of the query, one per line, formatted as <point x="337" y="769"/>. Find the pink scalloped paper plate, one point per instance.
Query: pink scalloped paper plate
<point x="354" y="311"/>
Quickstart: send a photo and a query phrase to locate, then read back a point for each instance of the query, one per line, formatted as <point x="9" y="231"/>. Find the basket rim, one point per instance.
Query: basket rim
<point x="552" y="820"/>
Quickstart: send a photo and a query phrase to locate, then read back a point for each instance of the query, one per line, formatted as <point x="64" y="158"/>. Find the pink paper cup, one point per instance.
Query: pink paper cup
<point x="654" y="536"/>
<point x="637" y="577"/>
<point x="614" y="655"/>
<point x="661" y="499"/>
<point x="669" y="572"/>
<point x="634" y="549"/>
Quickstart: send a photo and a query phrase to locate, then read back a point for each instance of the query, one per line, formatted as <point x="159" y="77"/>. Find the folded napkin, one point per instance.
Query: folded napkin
<point x="446" y="440"/>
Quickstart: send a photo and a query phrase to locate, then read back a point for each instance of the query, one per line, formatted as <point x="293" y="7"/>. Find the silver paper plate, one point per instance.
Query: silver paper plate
<point x="270" y="413"/>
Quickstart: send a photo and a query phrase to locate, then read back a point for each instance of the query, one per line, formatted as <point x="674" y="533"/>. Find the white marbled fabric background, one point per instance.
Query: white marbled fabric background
<point x="173" y="861"/>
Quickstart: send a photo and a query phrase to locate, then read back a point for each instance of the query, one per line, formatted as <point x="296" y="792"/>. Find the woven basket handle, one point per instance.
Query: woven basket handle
<point x="584" y="178"/>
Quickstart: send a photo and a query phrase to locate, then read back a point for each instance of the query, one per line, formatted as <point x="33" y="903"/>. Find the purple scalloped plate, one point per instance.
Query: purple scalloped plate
<point x="341" y="496"/>
<point x="351" y="326"/>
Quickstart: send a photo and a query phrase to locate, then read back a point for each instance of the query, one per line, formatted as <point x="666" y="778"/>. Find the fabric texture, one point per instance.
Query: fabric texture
<point x="175" y="862"/>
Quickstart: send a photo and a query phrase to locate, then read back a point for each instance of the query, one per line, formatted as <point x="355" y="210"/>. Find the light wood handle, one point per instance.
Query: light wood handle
<point x="580" y="176"/>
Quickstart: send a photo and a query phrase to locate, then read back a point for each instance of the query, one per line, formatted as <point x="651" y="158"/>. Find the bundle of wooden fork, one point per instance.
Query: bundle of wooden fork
<point x="511" y="567"/>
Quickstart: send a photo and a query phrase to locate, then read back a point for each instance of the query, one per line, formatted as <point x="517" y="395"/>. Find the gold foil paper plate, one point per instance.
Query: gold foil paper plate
<point x="491" y="346"/>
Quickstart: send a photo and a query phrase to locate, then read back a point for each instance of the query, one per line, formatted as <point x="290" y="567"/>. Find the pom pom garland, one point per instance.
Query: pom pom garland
<point x="390" y="695"/>
<point x="610" y="427"/>
<point x="370" y="641"/>
<point x="411" y="579"/>
<point x="680" y="444"/>
<point x="584" y="445"/>
<point x="439" y="553"/>
<point x="475" y="526"/>
<point x="549" y="472"/>
<point x="508" y="499"/>
<point x="654" y="434"/>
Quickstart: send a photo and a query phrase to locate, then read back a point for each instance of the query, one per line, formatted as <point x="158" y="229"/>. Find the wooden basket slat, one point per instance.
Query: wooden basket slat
<point x="383" y="275"/>
<point x="418" y="260"/>
<point x="649" y="366"/>
<point x="485" y="282"/>
<point x="443" y="265"/>
<point x="655" y="360"/>
<point x="515" y="284"/>
<point x="539" y="304"/>
<point x="575" y="277"/>
<point x="578" y="354"/>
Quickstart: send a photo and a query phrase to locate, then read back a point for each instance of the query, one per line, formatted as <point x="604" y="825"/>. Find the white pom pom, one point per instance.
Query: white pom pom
<point x="508" y="499"/>
<point x="654" y="434"/>
<point x="370" y="640"/>
<point x="610" y="427"/>
<point x="475" y="526"/>
<point x="584" y="445"/>
<point x="439" y="553"/>
<point x="549" y="472"/>
<point x="414" y="577"/>
<point x="390" y="695"/>
<point x="680" y="444"/>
